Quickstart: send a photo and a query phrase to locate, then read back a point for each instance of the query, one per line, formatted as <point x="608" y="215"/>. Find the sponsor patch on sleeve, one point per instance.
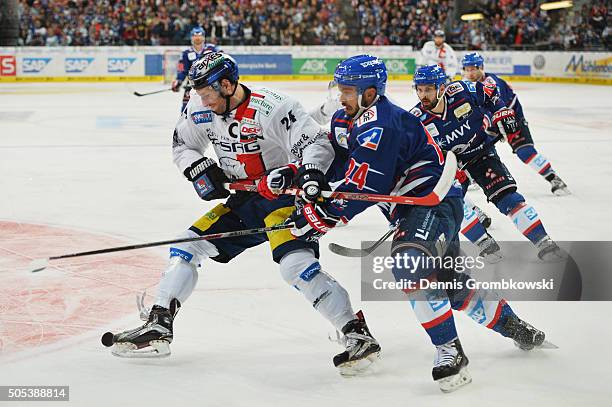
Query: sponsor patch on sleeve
<point x="432" y="130"/>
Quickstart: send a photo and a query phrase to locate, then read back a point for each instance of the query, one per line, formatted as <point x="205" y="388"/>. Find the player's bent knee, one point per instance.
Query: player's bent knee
<point x="299" y="265"/>
<point x="507" y="202"/>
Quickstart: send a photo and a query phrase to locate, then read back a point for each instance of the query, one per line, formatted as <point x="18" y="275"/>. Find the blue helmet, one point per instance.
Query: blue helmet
<point x="429" y="75"/>
<point x="472" y="59"/>
<point x="197" y="31"/>
<point x="362" y="71"/>
<point x="211" y="68"/>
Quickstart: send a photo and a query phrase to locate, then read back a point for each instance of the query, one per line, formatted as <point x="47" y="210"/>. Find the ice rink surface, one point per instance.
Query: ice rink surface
<point x="86" y="166"/>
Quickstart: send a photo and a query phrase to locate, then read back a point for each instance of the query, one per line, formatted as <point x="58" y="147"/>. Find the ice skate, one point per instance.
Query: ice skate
<point x="151" y="340"/>
<point x="450" y="367"/>
<point x="525" y="336"/>
<point x="558" y="187"/>
<point x="361" y="348"/>
<point x="549" y="251"/>
<point x="490" y="250"/>
<point x="483" y="218"/>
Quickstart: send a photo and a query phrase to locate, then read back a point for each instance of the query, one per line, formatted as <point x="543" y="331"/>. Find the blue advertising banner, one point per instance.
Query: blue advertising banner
<point x="264" y="64"/>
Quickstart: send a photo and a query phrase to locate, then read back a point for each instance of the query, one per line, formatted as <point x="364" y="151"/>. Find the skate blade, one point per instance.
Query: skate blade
<point x="493" y="259"/>
<point x="156" y="349"/>
<point x="545" y="345"/>
<point x="455" y="382"/>
<point x="357" y="367"/>
<point x="562" y="192"/>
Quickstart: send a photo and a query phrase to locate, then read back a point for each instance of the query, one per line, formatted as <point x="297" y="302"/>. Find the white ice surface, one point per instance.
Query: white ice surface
<point x="97" y="158"/>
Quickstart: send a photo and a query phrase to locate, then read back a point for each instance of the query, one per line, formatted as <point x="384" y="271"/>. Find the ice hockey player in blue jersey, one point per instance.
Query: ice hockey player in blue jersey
<point x="381" y="148"/>
<point x="522" y="144"/>
<point x="188" y="57"/>
<point x="461" y="117"/>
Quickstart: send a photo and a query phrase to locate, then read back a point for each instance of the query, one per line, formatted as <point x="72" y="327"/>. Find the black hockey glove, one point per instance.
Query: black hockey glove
<point x="311" y="222"/>
<point x="207" y="179"/>
<point x="505" y="121"/>
<point x="176" y="85"/>
<point x="312" y="181"/>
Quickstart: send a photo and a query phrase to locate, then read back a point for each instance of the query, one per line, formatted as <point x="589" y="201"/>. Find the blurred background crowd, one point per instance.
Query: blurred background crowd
<point x="507" y="24"/>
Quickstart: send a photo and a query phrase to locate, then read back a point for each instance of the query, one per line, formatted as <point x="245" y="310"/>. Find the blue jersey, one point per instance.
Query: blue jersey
<point x="464" y="125"/>
<point x="188" y="57"/>
<point x="385" y="151"/>
<point x="507" y="95"/>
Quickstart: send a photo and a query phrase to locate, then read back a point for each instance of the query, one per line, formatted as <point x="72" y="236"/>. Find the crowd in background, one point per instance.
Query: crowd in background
<point x="507" y="23"/>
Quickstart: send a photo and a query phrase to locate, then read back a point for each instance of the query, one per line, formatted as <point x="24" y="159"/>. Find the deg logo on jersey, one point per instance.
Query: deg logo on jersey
<point x="369" y="115"/>
<point x="371" y="138"/>
<point x="200" y="117"/>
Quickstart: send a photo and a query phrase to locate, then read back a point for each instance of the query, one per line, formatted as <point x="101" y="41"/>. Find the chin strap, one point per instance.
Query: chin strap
<point x="362" y="108"/>
<point x="227" y="110"/>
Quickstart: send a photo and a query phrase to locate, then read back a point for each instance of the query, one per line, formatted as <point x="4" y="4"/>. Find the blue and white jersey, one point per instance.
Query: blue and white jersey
<point x="189" y="56"/>
<point x="462" y="126"/>
<point x="385" y="151"/>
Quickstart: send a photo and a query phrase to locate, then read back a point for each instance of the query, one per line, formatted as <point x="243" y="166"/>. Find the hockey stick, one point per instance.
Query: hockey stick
<point x="350" y="252"/>
<point x="151" y="93"/>
<point x="433" y="198"/>
<point x="41" y="264"/>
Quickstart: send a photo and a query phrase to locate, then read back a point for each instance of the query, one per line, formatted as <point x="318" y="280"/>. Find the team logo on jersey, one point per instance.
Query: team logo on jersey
<point x="341" y="136"/>
<point x="454" y="88"/>
<point x="489" y="86"/>
<point x="370" y="138"/>
<point x="369" y="115"/>
<point x="471" y="86"/>
<point x="192" y="56"/>
<point x="432" y="130"/>
<point x="205" y="116"/>
<point x="463" y="111"/>
<point x="416" y="111"/>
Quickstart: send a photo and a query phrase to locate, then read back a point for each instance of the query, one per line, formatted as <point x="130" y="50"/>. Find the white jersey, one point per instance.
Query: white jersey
<point x="268" y="130"/>
<point x="443" y="56"/>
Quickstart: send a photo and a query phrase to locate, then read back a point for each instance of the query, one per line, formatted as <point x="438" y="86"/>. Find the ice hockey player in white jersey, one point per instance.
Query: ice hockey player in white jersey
<point x="438" y="52"/>
<point x="256" y="134"/>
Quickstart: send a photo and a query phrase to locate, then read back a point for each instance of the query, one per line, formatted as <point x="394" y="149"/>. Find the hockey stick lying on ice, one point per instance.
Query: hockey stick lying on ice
<point x="433" y="198"/>
<point x="41" y="264"/>
<point x="151" y="93"/>
<point x="351" y="252"/>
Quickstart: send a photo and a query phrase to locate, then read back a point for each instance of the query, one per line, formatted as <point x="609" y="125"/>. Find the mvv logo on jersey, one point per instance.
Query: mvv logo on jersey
<point x="371" y="138"/>
<point x="119" y="65"/>
<point x="34" y="65"/>
<point x="77" y="65"/>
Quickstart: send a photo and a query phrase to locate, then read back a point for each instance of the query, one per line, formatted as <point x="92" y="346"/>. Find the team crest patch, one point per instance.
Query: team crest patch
<point x="489" y="86"/>
<point x="205" y="116"/>
<point x="454" y="88"/>
<point x="432" y="130"/>
<point x="463" y="111"/>
<point x="471" y="86"/>
<point x="416" y="111"/>
<point x="370" y="138"/>
<point x="341" y="136"/>
<point x="369" y="115"/>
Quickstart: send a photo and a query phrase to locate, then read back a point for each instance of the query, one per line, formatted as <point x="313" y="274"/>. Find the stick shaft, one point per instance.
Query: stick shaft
<point x="151" y="93"/>
<point x="212" y="236"/>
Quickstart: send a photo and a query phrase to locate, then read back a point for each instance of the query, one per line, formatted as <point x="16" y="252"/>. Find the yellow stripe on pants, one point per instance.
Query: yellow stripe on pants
<point x="279" y="237"/>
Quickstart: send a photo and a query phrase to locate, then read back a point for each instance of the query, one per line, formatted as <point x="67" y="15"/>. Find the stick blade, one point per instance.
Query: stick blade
<point x="138" y="94"/>
<point x="347" y="251"/>
<point x="38" y="265"/>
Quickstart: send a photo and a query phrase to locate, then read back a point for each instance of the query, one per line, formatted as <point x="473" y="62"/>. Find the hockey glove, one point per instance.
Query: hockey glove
<point x="176" y="85"/>
<point x="505" y="121"/>
<point x="207" y="179"/>
<point x="312" y="181"/>
<point x="311" y="222"/>
<point x="274" y="182"/>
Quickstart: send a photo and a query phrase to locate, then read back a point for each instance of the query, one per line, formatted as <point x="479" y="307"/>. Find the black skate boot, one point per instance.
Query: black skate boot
<point x="557" y="186"/>
<point x="450" y="367"/>
<point x="151" y="339"/>
<point x="490" y="250"/>
<point x="361" y="348"/>
<point x="483" y="218"/>
<point x="525" y="336"/>
<point x="549" y="251"/>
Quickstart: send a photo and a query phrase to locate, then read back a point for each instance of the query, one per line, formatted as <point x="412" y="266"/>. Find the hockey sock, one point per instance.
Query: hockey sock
<point x="538" y="162"/>
<point x="471" y="227"/>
